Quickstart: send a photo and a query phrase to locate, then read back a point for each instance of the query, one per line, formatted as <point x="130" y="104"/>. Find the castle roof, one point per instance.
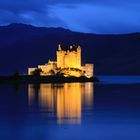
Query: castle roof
<point x="68" y="48"/>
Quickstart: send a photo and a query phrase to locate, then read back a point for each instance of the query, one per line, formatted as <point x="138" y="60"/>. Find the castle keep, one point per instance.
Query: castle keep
<point x="70" y="58"/>
<point x="68" y="63"/>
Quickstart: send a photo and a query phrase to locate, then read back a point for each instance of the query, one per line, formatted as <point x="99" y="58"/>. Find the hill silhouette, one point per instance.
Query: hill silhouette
<point x="23" y="46"/>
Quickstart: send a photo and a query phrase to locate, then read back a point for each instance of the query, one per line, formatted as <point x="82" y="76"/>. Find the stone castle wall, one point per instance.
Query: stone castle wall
<point x="69" y="59"/>
<point x="68" y="62"/>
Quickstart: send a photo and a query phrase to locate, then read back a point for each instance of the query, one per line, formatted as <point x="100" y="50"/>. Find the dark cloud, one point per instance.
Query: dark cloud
<point x="22" y="5"/>
<point x="28" y="11"/>
<point x="100" y="19"/>
<point x="100" y="16"/>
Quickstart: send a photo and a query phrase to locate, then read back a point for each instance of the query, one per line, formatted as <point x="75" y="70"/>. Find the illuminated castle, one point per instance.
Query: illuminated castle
<point x="70" y="58"/>
<point x="68" y="63"/>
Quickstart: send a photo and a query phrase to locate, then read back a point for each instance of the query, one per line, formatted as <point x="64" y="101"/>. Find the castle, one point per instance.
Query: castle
<point x="68" y="63"/>
<point x="70" y="58"/>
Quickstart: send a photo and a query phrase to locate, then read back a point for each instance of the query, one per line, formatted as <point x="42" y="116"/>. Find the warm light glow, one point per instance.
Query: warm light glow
<point x="64" y="99"/>
<point x="87" y="95"/>
<point x="46" y="98"/>
<point x="31" y="94"/>
<point x="70" y="58"/>
<point x="68" y="63"/>
<point x="69" y="103"/>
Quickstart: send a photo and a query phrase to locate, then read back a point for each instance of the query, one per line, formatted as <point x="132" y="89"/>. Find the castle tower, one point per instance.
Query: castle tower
<point x="59" y="47"/>
<point x="89" y="70"/>
<point x="70" y="58"/>
<point x="60" y="57"/>
<point x="78" y="57"/>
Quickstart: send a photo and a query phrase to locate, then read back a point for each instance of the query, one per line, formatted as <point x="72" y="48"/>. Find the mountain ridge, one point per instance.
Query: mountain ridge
<point x="23" y="46"/>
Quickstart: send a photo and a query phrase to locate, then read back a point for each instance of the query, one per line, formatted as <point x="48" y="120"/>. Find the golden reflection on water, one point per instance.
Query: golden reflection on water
<point x="66" y="100"/>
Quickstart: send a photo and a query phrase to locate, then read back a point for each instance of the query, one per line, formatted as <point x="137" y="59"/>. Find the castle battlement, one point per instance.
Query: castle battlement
<point x="70" y="58"/>
<point x="68" y="63"/>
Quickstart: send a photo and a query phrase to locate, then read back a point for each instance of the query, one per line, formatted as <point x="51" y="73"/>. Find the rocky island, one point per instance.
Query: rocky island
<point x="67" y="68"/>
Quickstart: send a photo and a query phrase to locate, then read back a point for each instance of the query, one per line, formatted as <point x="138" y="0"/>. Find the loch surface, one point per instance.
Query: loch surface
<point x="108" y="110"/>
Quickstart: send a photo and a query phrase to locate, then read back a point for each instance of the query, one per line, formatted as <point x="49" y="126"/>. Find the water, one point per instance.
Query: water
<point x="109" y="110"/>
<point x="120" y="79"/>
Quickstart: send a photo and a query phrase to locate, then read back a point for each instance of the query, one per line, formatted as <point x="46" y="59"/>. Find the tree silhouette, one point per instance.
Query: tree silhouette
<point x="37" y="72"/>
<point x="52" y="72"/>
<point x="17" y="73"/>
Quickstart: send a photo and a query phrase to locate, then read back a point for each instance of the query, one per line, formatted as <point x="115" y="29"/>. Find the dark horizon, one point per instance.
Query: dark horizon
<point x="25" y="24"/>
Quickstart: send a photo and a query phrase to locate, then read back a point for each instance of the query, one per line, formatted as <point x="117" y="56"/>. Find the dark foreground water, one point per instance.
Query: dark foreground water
<point x="109" y="110"/>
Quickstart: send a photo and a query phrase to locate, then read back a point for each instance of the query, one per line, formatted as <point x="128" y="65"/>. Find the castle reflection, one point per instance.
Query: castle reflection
<point x="64" y="101"/>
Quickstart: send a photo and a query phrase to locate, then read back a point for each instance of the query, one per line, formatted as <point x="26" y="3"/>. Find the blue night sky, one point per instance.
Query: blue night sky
<point x="95" y="16"/>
